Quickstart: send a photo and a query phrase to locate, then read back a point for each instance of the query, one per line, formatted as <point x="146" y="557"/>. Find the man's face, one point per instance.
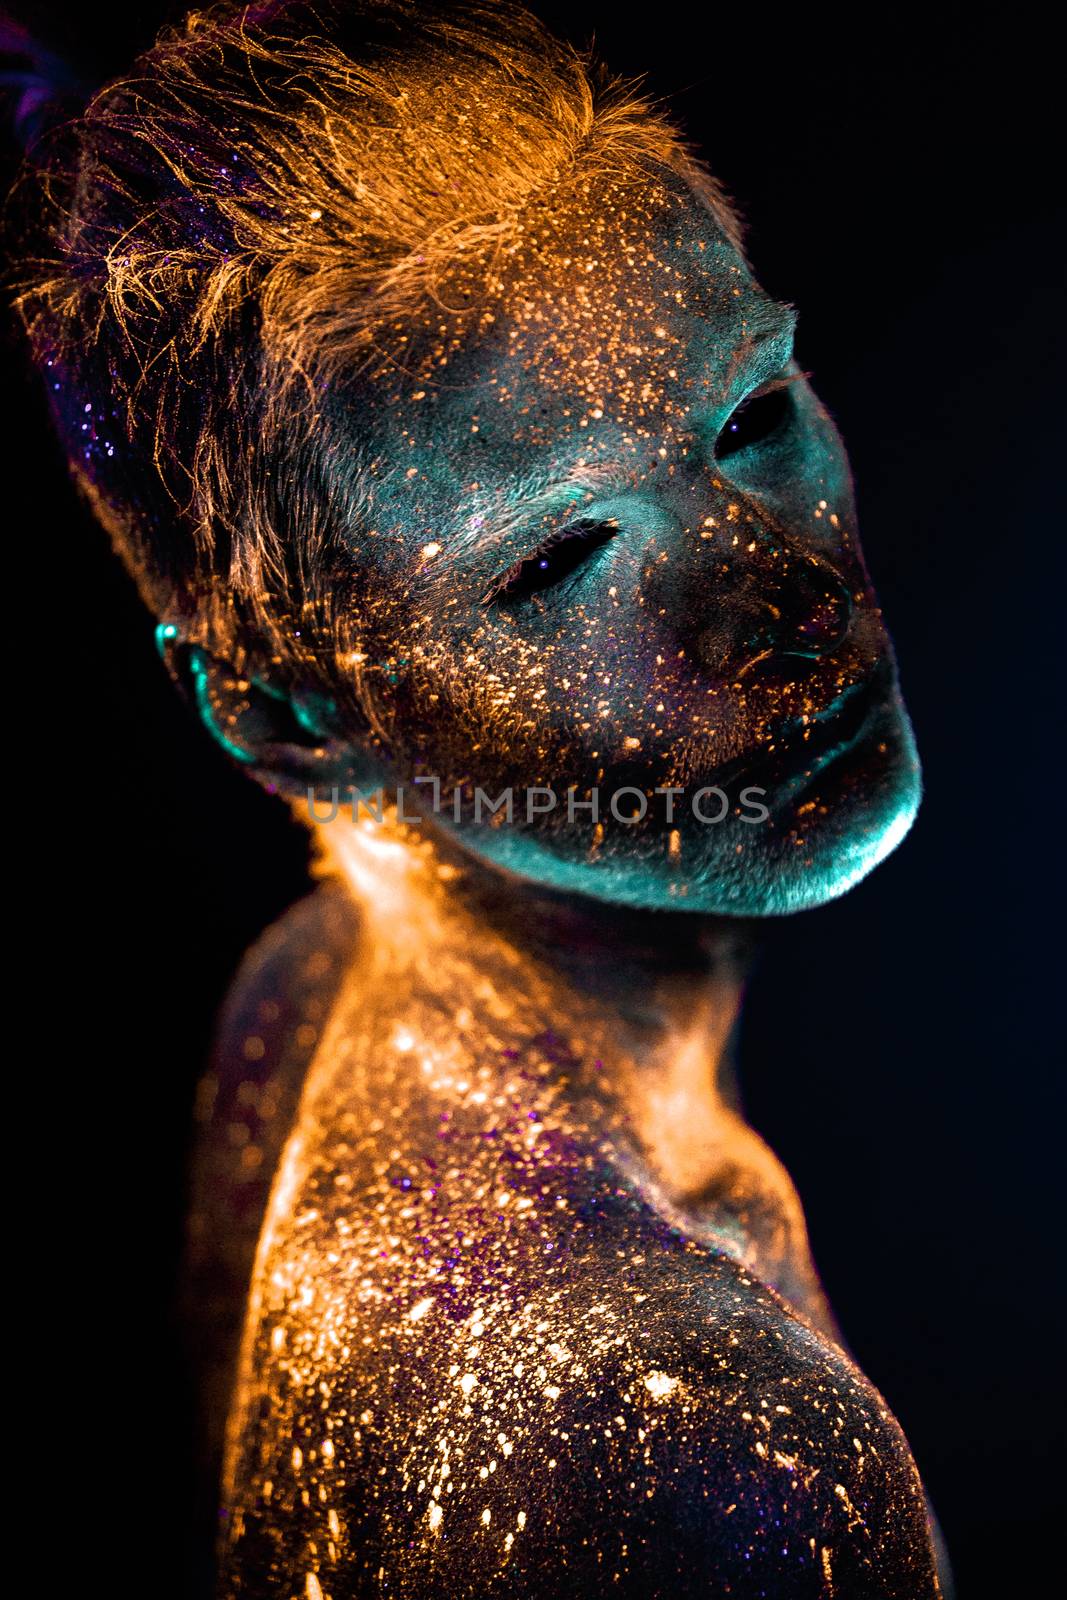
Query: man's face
<point x="611" y="546"/>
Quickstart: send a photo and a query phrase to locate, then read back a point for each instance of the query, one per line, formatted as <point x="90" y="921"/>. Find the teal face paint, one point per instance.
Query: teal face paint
<point x="614" y="545"/>
<point x="209" y="713"/>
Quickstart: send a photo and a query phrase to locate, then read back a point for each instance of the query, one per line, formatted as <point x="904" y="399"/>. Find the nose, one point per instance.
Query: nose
<point x="810" y="615"/>
<point x="768" y="596"/>
<point x="734" y="587"/>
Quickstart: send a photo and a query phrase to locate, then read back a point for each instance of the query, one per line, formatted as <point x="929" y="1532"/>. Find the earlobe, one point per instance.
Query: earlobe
<point x="284" y="740"/>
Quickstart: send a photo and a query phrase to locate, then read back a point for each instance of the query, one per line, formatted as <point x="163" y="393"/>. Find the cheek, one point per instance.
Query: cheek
<point x="462" y="702"/>
<point x="827" y="470"/>
<point x="806" y="484"/>
<point x="547" y="699"/>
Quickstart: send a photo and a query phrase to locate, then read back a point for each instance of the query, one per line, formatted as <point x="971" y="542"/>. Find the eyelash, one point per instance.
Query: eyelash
<point x="556" y="557"/>
<point x="763" y="421"/>
<point x="563" y="551"/>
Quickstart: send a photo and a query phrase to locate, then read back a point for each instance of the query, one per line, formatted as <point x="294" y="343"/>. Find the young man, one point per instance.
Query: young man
<point x="414" y="364"/>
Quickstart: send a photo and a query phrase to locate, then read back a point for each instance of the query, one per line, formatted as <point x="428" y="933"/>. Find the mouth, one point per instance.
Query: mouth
<point x="841" y="723"/>
<point x="806" y="747"/>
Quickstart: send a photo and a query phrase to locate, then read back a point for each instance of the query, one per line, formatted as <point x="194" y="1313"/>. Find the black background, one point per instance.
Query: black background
<point x="903" y="1047"/>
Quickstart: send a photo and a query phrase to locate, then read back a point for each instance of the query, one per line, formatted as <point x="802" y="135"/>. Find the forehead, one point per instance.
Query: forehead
<point x="636" y="303"/>
<point x="617" y="322"/>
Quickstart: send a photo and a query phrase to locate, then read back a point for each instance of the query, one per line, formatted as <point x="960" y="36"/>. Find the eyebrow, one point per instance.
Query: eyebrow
<point x="491" y="516"/>
<point x="488" y="519"/>
<point x="767" y="342"/>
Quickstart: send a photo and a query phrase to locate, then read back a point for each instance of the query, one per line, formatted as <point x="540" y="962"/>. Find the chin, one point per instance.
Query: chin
<point x="830" y="824"/>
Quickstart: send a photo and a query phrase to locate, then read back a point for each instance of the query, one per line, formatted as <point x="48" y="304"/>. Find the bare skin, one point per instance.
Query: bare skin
<point x="444" y="452"/>
<point x="533" y="1309"/>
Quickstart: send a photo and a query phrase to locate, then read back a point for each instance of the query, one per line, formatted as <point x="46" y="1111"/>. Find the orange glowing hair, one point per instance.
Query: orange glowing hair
<point x="226" y="229"/>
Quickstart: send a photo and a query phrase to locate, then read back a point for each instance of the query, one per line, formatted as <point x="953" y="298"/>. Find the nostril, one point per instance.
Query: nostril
<point x="819" y="617"/>
<point x="775" y="599"/>
<point x="828" y="621"/>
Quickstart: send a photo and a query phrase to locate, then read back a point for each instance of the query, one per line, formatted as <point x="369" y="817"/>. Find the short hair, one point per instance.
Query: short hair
<point x="226" y="228"/>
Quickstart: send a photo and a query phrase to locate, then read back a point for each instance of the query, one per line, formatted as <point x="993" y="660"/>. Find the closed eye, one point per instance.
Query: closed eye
<point x="762" y="416"/>
<point x="555" y="558"/>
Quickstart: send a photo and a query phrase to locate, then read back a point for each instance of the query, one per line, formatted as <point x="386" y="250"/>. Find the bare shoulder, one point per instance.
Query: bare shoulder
<point x="740" y="1451"/>
<point x="659" y="1427"/>
<point x="269" y="1027"/>
<point x="714" y="1444"/>
<point x="282" y="992"/>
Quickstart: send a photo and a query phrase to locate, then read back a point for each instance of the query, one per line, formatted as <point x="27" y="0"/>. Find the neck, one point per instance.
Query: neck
<point x="647" y="1003"/>
<point x="646" y="977"/>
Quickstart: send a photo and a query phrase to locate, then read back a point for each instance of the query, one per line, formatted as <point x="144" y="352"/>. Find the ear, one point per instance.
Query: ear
<point x="289" y="740"/>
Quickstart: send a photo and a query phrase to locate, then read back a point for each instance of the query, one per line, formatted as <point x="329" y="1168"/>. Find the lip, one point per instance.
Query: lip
<point x="843" y="720"/>
<point x="803" y="749"/>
